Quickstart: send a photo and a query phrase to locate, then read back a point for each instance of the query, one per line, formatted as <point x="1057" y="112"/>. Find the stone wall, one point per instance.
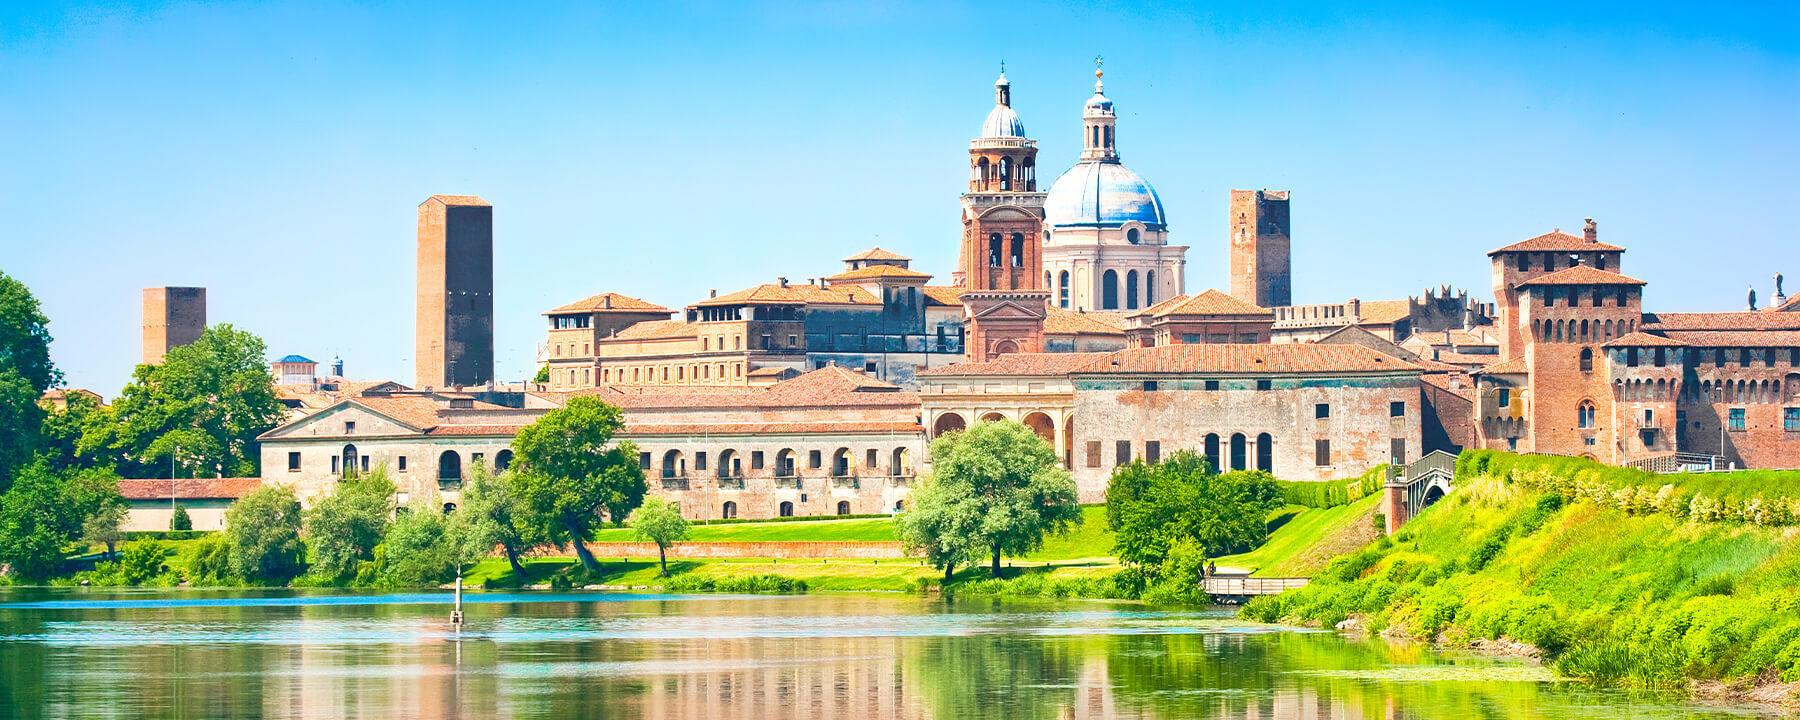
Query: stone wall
<point x="735" y="550"/>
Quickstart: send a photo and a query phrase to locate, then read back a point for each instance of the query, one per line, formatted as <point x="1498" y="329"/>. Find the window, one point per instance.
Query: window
<point x="334" y="464"/>
<point x="349" y="426"/>
<point x="1093" y="453"/>
<point x="401" y="462"/>
<point x="1239" y="448"/>
<point x="1584" y="415"/>
<point x="1149" y="385"/>
<point x="815" y="460"/>
<point x="1264" y="385"/>
<point x="1397" y="408"/>
<point x="869" y="368"/>
<point x="1524" y="262"/>
<point x="1735" y="419"/>
<point x="1190" y="339"/>
<point x="1131" y="290"/>
<point x="787" y="509"/>
<point x="1212" y="451"/>
<point x="843" y="507"/>
<point x="644" y="461"/>
<point x="1109" y="290"/>
<point x="756" y="460"/>
<point x="293" y="462"/>
<point x="1122" y="453"/>
<point x="872" y="459"/>
<point x="1790" y="419"/>
<point x="1397" y="451"/>
<point x="729" y="511"/>
<point x="1512" y="444"/>
<point x="1062" y="290"/>
<point x="1322" y="452"/>
<point x="1212" y="384"/>
<point x="1505" y="398"/>
<point x="1587" y="359"/>
<point x="1662" y="357"/>
<point x="1152" y="451"/>
<point x="700" y="460"/>
<point x="1631" y="357"/>
<point x="1322" y="411"/>
<point x="365" y="463"/>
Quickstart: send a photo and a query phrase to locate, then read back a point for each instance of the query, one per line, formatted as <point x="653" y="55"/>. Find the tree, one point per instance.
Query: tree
<point x="103" y="525"/>
<point x="1159" y="505"/>
<point x="493" y="511"/>
<point x="204" y="405"/>
<point x="543" y="374"/>
<point x="421" y="548"/>
<point x="45" y="511"/>
<point x="62" y="431"/>
<point x="998" y="489"/>
<point x="264" y="530"/>
<point x="936" y="526"/>
<point x="25" y="373"/>
<point x="660" y="522"/>
<point x="343" y="528"/>
<point x="566" y="476"/>
<point x="179" y="520"/>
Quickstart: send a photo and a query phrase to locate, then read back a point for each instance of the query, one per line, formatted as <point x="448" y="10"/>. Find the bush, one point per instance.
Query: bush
<point x="141" y="561"/>
<point x="179" y="520"/>
<point x="211" y="562"/>
<point x="264" y="529"/>
<point x="167" y="534"/>
<point x="1178" y="582"/>
<point x="418" y="551"/>
<point x="765" y="584"/>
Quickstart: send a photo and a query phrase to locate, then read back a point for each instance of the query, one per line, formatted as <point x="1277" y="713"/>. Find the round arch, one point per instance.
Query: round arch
<point x="450" y="466"/>
<point x="948" y="422"/>
<point x="1041" y="424"/>
<point x="786" y="509"/>
<point x="992" y="417"/>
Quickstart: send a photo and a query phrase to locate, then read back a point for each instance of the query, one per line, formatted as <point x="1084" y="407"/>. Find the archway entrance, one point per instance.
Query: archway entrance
<point x="948" y="422"/>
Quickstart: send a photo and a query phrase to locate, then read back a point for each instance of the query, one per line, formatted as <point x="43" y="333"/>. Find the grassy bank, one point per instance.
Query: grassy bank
<point x="1614" y="591"/>
<point x="1306" y="539"/>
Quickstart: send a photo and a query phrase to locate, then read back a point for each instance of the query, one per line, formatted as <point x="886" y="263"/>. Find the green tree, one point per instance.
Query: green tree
<point x="421" y="549"/>
<point x="343" y="528"/>
<point x="204" y="406"/>
<point x="566" y="476"/>
<point x="938" y="526"/>
<point x="264" y="530"/>
<point x="494" y="514"/>
<point x="1154" y="506"/>
<point x="179" y="520"/>
<point x="141" y="561"/>
<point x="103" y="525"/>
<point x="62" y="431"/>
<point x="660" y="522"/>
<point x="212" y="560"/>
<point x="25" y="373"/>
<point x="543" y="374"/>
<point x="44" y="512"/>
<point x="1007" y="482"/>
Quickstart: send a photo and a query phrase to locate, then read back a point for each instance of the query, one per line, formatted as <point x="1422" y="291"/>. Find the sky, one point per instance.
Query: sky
<point x="275" y="153"/>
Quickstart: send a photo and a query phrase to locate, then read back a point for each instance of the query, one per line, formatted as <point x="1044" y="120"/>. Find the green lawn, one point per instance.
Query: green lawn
<point x="1310" y="538"/>
<point x="863" y="530"/>
<point x="1088" y="541"/>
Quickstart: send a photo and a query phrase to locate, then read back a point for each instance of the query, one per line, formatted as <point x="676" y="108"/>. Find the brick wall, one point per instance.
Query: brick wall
<point x="734" y="550"/>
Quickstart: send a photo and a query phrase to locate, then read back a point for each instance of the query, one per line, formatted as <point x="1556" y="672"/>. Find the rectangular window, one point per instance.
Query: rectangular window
<point x="293" y="462"/>
<point x="1122" y="452"/>
<point x="700" y="461"/>
<point x="1218" y="338"/>
<point x="1719" y="357"/>
<point x="1322" y="411"/>
<point x="1152" y="451"/>
<point x="1790" y="419"/>
<point x="1190" y="339"/>
<point x="1149" y="385"/>
<point x="1744" y="357"/>
<point x="1512" y="444"/>
<point x="1549" y="297"/>
<point x="1264" y="385"/>
<point x="871" y="459"/>
<point x="1322" y="452"/>
<point x="1505" y="398"/>
<point x="1093" y="453"/>
<point x="1212" y="384"/>
<point x="349" y="426"/>
<point x="1735" y="420"/>
<point x="815" y="460"/>
<point x="1631" y="357"/>
<point x="1662" y="357"/>
<point x="400" y="462"/>
<point x="644" y="460"/>
<point x="756" y="460"/>
<point x="1397" y="408"/>
<point x="334" y="464"/>
<point x="1397" y="450"/>
<point x="1247" y="338"/>
<point x="365" y="463"/>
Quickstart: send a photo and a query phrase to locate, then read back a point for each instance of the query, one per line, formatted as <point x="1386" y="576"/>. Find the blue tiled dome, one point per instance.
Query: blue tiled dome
<point x="1105" y="194"/>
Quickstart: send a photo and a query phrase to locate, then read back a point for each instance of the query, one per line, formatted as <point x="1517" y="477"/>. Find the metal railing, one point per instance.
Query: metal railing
<point x="1245" y="586"/>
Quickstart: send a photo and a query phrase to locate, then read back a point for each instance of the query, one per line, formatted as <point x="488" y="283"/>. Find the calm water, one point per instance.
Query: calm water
<point x="281" y="654"/>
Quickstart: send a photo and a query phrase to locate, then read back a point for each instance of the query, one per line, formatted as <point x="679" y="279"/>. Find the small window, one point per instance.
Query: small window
<point x="400" y="462"/>
<point x="1587" y="359"/>
<point x="1322" y="411"/>
<point x="1505" y="398"/>
<point x="293" y="462"/>
<point x="1322" y="452"/>
<point x="1093" y="453"/>
<point x="1397" y="408"/>
<point x="869" y="368"/>
<point x="1397" y="451"/>
<point x="1790" y="419"/>
<point x="644" y="460"/>
<point x="365" y="463"/>
<point x="756" y="460"/>
<point x="871" y="459"/>
<point x="349" y="426"/>
<point x="1149" y="385"/>
<point x="1735" y="419"/>
<point x="815" y="460"/>
<point x="700" y="460"/>
<point x="1264" y="385"/>
<point x="1212" y="384"/>
<point x="334" y="464"/>
<point x="1152" y="451"/>
<point x="1122" y="452"/>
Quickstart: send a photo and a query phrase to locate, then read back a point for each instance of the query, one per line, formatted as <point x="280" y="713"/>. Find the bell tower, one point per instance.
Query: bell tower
<point x="1001" y="266"/>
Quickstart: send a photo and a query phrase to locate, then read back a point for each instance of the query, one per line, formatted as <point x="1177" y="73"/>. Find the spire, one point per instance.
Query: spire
<point x="1003" y="88"/>
<point x="1099" y="71"/>
<point x="1097" y="122"/>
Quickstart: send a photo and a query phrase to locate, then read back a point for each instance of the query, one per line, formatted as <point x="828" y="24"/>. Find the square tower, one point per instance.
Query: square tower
<point x="1259" y="248"/>
<point x="455" y="327"/>
<point x="173" y="317"/>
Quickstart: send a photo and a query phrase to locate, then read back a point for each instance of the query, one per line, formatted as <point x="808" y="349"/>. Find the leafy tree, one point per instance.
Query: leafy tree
<point x="179" y="520"/>
<point x="1158" y="505"/>
<point x="141" y="561"/>
<point x="25" y="373"/>
<point x="212" y="560"/>
<point x="543" y="374"/>
<point x="566" y="476"/>
<point x="103" y="526"/>
<point x="343" y="528"/>
<point x="938" y="527"/>
<point x="62" y="431"/>
<point x="494" y="514"/>
<point x="264" y="530"/>
<point x="660" y="522"/>
<point x="1002" y="489"/>
<point x="44" y="512"/>
<point x="421" y="549"/>
<point x="204" y="406"/>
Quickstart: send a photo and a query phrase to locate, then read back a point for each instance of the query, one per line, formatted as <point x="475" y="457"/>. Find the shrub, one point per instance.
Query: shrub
<point x="764" y="584"/>
<point x="179" y="520"/>
<point x="141" y="561"/>
<point x="211" y="560"/>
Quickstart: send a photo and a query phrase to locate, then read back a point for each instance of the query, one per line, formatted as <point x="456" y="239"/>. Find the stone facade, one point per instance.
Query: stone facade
<point x="1261" y="271"/>
<point x="454" y="336"/>
<point x="173" y="317"/>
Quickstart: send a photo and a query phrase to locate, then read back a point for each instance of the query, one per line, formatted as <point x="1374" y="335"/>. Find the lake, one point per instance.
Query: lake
<point x="320" y="654"/>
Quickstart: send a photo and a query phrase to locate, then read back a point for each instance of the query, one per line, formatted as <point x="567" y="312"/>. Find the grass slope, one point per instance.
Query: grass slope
<point x="863" y="530"/>
<point x="1308" y="539"/>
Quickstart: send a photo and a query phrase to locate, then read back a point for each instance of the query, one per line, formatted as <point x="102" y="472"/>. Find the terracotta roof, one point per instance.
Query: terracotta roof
<point x="456" y="200"/>
<point x="1509" y="367"/>
<point x="1384" y="312"/>
<point x="655" y="330"/>
<point x="771" y="428"/>
<point x="876" y="254"/>
<point x="1466" y="359"/>
<point x="1557" y="242"/>
<point x="1068" y="322"/>
<point x="878" y="271"/>
<point x="944" y="295"/>
<point x="1211" y="302"/>
<point x="60" y="393"/>
<point x="1791" y="304"/>
<point x="1641" y="339"/>
<point x="1453" y="383"/>
<point x="489" y="430"/>
<point x="1434" y="366"/>
<point x="795" y="294"/>
<point x="1737" y="338"/>
<point x="1582" y="275"/>
<point x="1249" y="358"/>
<point x="620" y="303"/>
<point x="416" y="410"/>
<point x="1723" y="321"/>
<point x="1020" y="364"/>
<point x="1444" y="338"/>
<point x="189" y="488"/>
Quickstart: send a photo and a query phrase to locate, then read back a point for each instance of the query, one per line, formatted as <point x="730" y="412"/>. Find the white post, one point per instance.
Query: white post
<point x="456" y="614"/>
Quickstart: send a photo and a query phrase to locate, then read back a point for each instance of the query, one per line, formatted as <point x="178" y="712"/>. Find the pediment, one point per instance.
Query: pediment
<point x="1007" y="310"/>
<point x="1007" y="212"/>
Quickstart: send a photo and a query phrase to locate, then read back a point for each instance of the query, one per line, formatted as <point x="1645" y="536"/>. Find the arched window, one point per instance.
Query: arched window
<point x="1238" y="442"/>
<point x="730" y="465"/>
<point x="349" y="461"/>
<point x="1265" y="452"/>
<point x="784" y="463"/>
<point x="503" y="460"/>
<point x="994" y="249"/>
<point x="1018" y="249"/>
<point x="948" y="422"/>
<point x="1212" y="451"/>
<point x="981" y="172"/>
<point x="1109" y="290"/>
<point x="1587" y="359"/>
<point x="843" y="507"/>
<point x="1149" y="288"/>
<point x="1584" y="415"/>
<point x="673" y="465"/>
<point x="450" y="466"/>
<point x="1062" y="289"/>
<point x="728" y="510"/>
<point x="902" y="463"/>
<point x="787" y="509"/>
<point x="1108" y="130"/>
<point x="1131" y="289"/>
<point x="1047" y="280"/>
<point x="1006" y="171"/>
<point x="840" y="463"/>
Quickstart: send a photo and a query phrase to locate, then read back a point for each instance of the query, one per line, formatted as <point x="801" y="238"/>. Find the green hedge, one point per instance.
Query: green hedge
<point x="1332" y="493"/>
<point x="167" y="534"/>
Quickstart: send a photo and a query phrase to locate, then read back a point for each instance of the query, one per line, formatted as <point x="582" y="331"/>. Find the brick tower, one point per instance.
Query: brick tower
<point x="455" y="327"/>
<point x="1259" y="247"/>
<point x="1001" y="266"/>
<point x="173" y="317"/>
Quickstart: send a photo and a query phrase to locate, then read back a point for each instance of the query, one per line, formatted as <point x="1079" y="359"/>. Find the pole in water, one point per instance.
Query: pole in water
<point x="456" y="613"/>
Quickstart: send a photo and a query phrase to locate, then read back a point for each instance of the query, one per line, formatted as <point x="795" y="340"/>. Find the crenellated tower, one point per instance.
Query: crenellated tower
<point x="1001" y="264"/>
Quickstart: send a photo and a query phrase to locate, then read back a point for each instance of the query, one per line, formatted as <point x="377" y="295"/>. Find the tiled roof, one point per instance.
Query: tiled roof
<point x="1582" y="275"/>
<point x="1436" y="366"/>
<point x="795" y="294"/>
<point x="1466" y="359"/>
<point x="1737" y="338"/>
<point x="765" y="371"/>
<point x="1508" y="367"/>
<point x="944" y="295"/>
<point x="876" y="254"/>
<point x="878" y="271"/>
<point x="456" y="200"/>
<point x="1455" y="384"/>
<point x="656" y="330"/>
<point x="1557" y="242"/>
<point x="1439" y="338"/>
<point x="188" y="488"/>
<point x="1384" y="312"/>
<point x="1249" y="358"/>
<point x="620" y="303"/>
<point x="1058" y="321"/>
<point x="1723" y="321"/>
<point x="416" y="410"/>
<point x="1211" y="302"/>
<point x="1642" y="339"/>
<point x="1020" y="364"/>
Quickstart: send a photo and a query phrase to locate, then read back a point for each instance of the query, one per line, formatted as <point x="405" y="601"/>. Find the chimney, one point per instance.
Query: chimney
<point x="1590" y="231"/>
<point x="712" y="292"/>
<point x="606" y="302"/>
<point x="337" y="366"/>
<point x="781" y="281"/>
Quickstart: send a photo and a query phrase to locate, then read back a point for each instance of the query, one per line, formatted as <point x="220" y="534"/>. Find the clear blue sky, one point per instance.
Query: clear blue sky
<point x="275" y="153"/>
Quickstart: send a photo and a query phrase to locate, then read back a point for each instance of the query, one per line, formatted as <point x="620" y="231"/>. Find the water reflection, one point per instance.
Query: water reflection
<point x="287" y="654"/>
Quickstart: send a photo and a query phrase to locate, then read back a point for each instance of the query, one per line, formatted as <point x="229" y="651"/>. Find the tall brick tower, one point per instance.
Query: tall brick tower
<point x="173" y="317"/>
<point x="1001" y="266"/>
<point x="1259" y="247"/>
<point x="455" y="326"/>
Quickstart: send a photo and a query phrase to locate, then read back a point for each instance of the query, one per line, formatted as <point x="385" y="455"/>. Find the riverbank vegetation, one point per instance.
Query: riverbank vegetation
<point x="1614" y="576"/>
